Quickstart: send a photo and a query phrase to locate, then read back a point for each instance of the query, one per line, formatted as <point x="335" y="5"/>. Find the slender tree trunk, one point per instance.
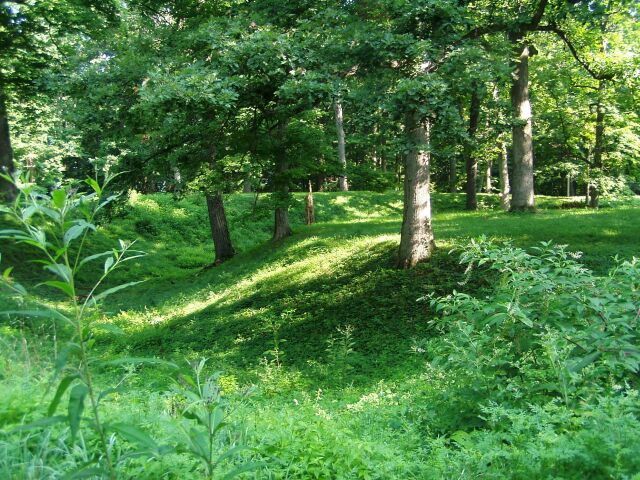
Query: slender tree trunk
<point x="219" y="228"/>
<point x="416" y="237"/>
<point x="343" y="184"/>
<point x="471" y="162"/>
<point x="7" y="189"/>
<point x="487" y="178"/>
<point x="309" y="208"/>
<point x="599" y="145"/>
<point x="282" y="229"/>
<point x="522" y="198"/>
<point x="568" y="184"/>
<point x="504" y="177"/>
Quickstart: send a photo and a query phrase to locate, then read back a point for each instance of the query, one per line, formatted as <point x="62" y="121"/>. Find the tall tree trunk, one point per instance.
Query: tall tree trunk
<point x="522" y="198"/>
<point x="282" y="229"/>
<point x="7" y="189"/>
<point x="471" y="162"/>
<point x="598" y="147"/>
<point x="219" y="228"/>
<point x="568" y="184"/>
<point x="343" y="184"/>
<point x="487" y="178"/>
<point x="504" y="177"/>
<point x="416" y="237"/>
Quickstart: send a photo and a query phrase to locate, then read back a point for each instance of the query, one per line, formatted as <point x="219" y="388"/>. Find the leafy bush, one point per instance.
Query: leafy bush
<point x="364" y="177"/>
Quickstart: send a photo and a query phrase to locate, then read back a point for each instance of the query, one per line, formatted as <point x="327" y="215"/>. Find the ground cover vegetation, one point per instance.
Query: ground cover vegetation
<point x="365" y="239"/>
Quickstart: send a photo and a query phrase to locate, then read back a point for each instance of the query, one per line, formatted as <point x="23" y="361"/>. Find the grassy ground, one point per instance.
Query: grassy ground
<point x="322" y="322"/>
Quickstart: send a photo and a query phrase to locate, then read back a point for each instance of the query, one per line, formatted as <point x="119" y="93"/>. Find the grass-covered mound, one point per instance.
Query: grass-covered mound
<point x="339" y="347"/>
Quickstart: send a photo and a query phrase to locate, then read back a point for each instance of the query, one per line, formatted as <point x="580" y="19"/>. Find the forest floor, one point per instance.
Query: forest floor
<point x="322" y="324"/>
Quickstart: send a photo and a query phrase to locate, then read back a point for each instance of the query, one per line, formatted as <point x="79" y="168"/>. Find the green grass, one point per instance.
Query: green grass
<point x="302" y="292"/>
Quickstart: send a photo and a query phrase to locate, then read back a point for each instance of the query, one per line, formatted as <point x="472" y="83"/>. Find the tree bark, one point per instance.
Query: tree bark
<point x="246" y="184"/>
<point x="281" y="225"/>
<point x="522" y="198"/>
<point x="343" y="184"/>
<point x="219" y="228"/>
<point x="471" y="162"/>
<point x="7" y="189"/>
<point x="487" y="178"/>
<point x="416" y="238"/>
<point x="598" y="147"/>
<point x="504" y="177"/>
<point x="453" y="174"/>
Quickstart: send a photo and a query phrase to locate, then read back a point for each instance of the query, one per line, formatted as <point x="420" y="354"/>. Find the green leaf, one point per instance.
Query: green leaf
<point x="581" y="363"/>
<point x="60" y="270"/>
<point x="62" y="387"/>
<point x="109" y="291"/>
<point x="94" y="257"/>
<point x="108" y="263"/>
<point x="135" y="435"/>
<point x="94" y="184"/>
<point x="59" y="196"/>
<point x="76" y="407"/>
<point x="53" y="314"/>
<point x="65" y="287"/>
<point x="77" y="230"/>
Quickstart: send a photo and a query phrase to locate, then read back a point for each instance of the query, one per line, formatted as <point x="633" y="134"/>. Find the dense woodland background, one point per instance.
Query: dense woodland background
<point x="331" y="240"/>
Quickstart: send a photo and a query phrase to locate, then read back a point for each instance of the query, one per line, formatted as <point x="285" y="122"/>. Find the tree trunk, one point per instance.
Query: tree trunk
<point x="487" y="178"/>
<point x="522" y="198"/>
<point x="7" y="189"/>
<point x="416" y="237"/>
<point x="504" y="177"/>
<point x="343" y="184"/>
<point x="568" y="184"/>
<point x="281" y="226"/>
<point x="219" y="228"/>
<point x="309" y="208"/>
<point x="246" y="184"/>
<point x="598" y="147"/>
<point x="471" y="162"/>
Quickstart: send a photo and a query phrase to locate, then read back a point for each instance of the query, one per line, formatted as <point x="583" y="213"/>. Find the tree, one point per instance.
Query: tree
<point x="33" y="37"/>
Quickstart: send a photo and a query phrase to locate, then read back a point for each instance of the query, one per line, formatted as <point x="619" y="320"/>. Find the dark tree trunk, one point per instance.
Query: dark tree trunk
<point x="522" y="196"/>
<point x="281" y="226"/>
<point x="416" y="237"/>
<point x="7" y="189"/>
<point x="471" y="162"/>
<point x="219" y="228"/>
<point x="343" y="184"/>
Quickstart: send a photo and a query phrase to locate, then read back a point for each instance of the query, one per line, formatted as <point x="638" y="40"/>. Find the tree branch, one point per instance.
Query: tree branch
<point x="583" y="63"/>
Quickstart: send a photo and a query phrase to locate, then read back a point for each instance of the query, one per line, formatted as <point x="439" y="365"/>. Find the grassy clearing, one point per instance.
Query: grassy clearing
<point x="322" y="323"/>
